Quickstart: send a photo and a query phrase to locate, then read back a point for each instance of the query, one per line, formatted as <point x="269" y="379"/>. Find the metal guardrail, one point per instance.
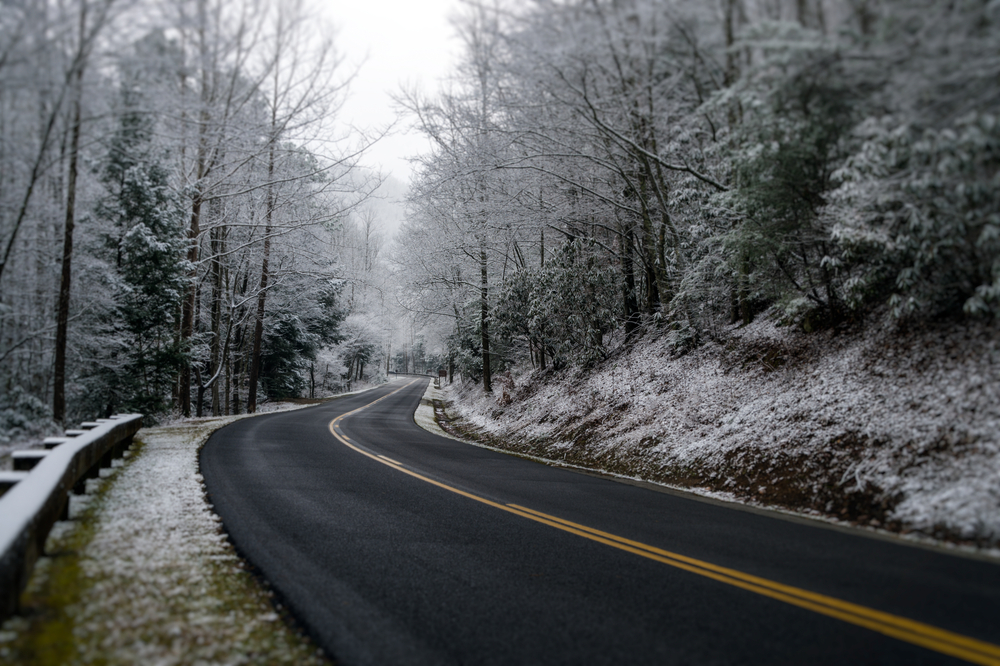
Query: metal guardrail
<point x="37" y="494"/>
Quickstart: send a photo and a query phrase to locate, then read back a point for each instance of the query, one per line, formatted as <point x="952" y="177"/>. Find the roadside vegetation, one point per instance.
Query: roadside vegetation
<point x="887" y="429"/>
<point x="184" y="227"/>
<point x="746" y="246"/>
<point x="607" y="173"/>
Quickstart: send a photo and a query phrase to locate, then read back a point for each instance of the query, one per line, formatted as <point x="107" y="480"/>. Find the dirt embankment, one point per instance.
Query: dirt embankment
<point x="885" y="426"/>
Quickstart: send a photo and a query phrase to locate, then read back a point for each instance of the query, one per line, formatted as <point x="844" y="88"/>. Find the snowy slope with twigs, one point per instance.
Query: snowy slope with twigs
<point x="890" y="428"/>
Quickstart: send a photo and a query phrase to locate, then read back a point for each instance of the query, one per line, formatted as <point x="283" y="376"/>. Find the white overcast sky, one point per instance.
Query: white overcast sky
<point x="397" y="42"/>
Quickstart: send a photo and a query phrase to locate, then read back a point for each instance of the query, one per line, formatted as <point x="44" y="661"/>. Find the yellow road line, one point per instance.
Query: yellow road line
<point x="893" y="625"/>
<point x="901" y="628"/>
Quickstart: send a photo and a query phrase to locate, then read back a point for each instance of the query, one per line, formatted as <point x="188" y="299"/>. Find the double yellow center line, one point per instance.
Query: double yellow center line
<point x="901" y="628"/>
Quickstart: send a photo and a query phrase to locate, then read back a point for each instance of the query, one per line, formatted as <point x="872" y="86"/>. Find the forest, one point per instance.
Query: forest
<point x="609" y="170"/>
<point x="185" y="228"/>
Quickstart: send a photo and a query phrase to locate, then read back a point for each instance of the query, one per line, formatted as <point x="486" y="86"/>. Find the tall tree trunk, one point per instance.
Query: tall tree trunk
<point x="648" y="248"/>
<point x="216" y="353"/>
<point x="175" y="385"/>
<point x="200" y="399"/>
<point x="237" y="378"/>
<point x="652" y="292"/>
<point x="194" y="231"/>
<point x="258" y="328"/>
<point x="629" y="304"/>
<point x="229" y="374"/>
<point x="743" y="290"/>
<point x="666" y="289"/>
<point x="258" y="331"/>
<point x="187" y="315"/>
<point x="484" y="319"/>
<point x="541" y="265"/>
<point x="62" y="314"/>
<point x="733" y="13"/>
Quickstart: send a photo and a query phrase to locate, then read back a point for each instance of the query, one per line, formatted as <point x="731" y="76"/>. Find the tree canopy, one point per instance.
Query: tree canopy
<point x="604" y="168"/>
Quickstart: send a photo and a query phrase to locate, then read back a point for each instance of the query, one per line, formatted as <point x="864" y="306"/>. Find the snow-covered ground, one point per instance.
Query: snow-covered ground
<point x="887" y="428"/>
<point x="152" y="577"/>
<point x="424" y="416"/>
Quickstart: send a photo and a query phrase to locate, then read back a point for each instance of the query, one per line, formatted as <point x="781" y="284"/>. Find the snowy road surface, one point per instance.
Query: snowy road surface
<point x="396" y="546"/>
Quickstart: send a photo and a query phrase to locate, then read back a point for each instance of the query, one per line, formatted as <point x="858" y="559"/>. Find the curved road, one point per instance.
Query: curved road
<point x="396" y="546"/>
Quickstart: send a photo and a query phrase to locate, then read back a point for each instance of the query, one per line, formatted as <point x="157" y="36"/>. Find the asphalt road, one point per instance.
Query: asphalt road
<point x="396" y="546"/>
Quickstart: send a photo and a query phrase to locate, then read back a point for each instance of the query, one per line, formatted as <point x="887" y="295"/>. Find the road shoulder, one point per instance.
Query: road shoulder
<point x="143" y="573"/>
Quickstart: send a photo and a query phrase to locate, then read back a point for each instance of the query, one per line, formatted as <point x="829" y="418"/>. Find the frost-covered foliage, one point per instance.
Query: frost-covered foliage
<point x="356" y="358"/>
<point x="293" y="340"/>
<point x="924" y="209"/>
<point x="831" y="163"/>
<point x="23" y="416"/>
<point x="465" y="343"/>
<point x="185" y="175"/>
<point x="145" y="252"/>
<point x="896" y="428"/>
<point x="826" y="158"/>
<point x="796" y="108"/>
<point x="564" y="307"/>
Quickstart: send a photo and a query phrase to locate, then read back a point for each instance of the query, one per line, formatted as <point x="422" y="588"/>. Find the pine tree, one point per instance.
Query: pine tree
<point x="148" y="255"/>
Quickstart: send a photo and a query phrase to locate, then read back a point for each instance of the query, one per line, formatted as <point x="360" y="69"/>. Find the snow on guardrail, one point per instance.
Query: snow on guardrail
<point x="38" y="498"/>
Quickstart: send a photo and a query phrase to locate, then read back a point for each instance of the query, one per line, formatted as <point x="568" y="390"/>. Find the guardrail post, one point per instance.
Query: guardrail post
<point x="32" y="503"/>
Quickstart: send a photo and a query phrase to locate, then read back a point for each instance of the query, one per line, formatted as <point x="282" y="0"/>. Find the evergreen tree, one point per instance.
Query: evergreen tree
<point x="148" y="256"/>
<point x="294" y="339"/>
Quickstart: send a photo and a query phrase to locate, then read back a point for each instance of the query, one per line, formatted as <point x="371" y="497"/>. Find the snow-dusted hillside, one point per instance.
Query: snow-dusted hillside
<point x="891" y="427"/>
